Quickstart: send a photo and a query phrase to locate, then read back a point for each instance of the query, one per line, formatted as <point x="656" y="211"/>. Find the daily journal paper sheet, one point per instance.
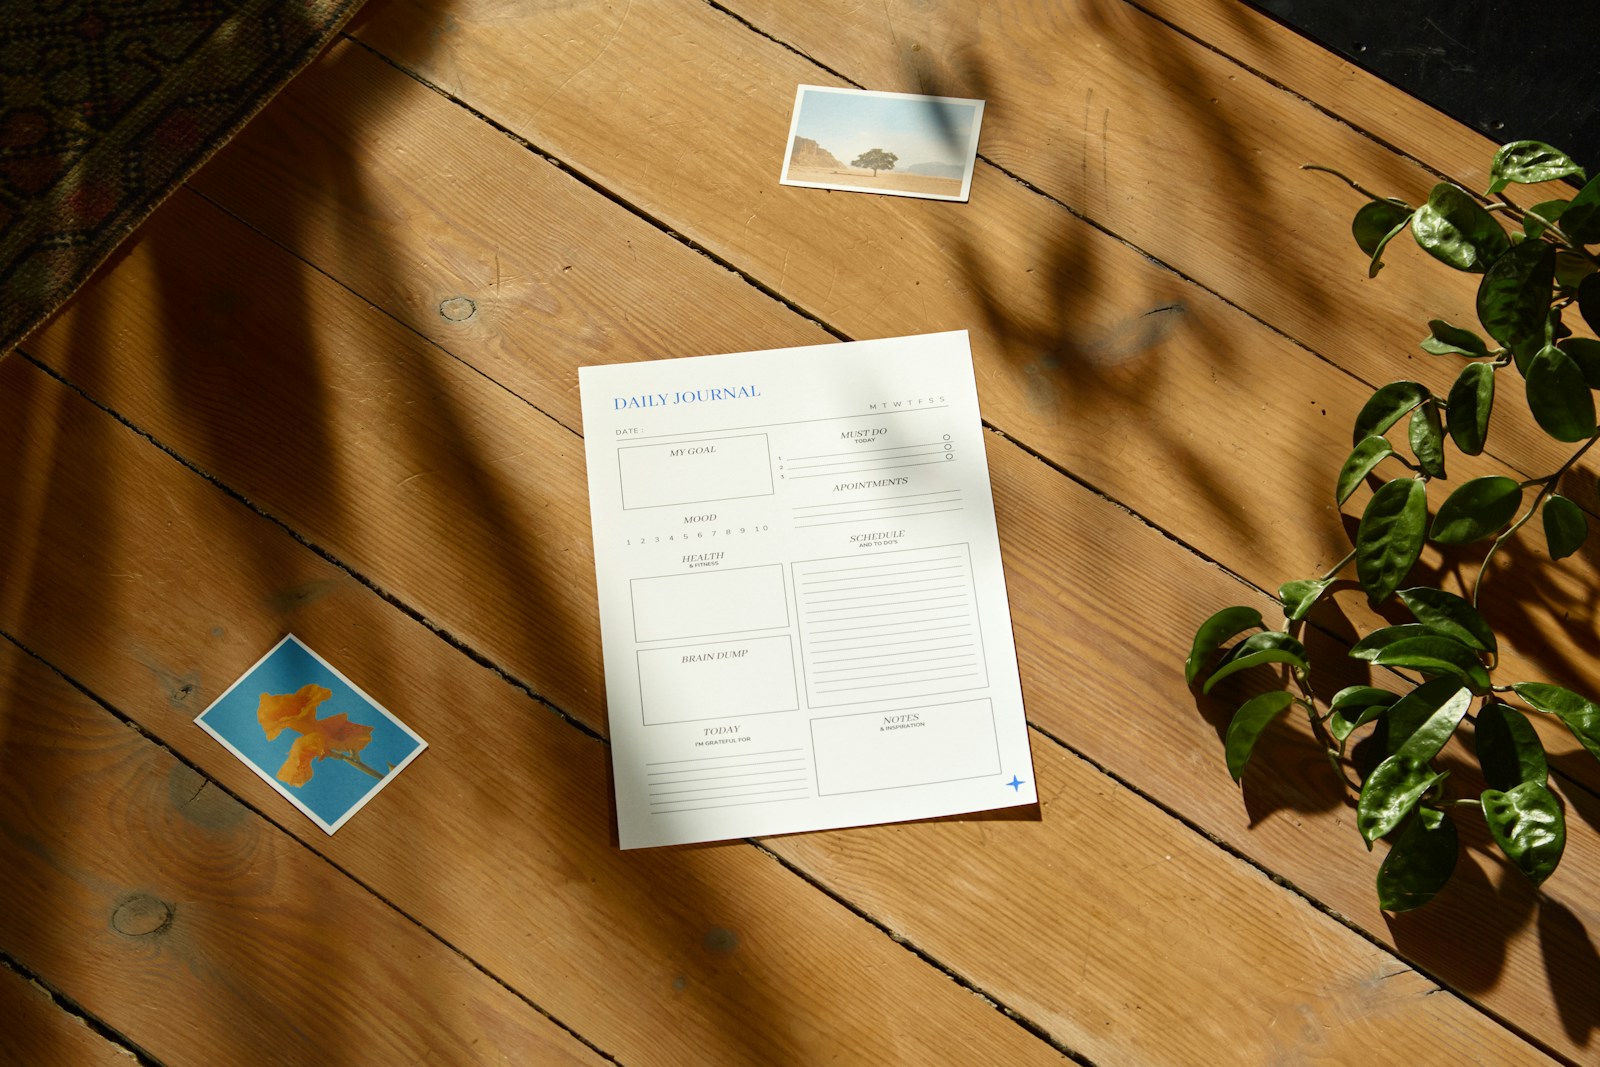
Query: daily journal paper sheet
<point x="802" y="610"/>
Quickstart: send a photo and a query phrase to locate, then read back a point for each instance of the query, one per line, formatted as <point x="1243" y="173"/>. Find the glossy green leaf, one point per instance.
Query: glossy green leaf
<point x="1248" y="723"/>
<point x="1524" y="350"/>
<point x="1589" y="301"/>
<point x="1390" y="536"/>
<point x="1261" y="642"/>
<point x="1547" y="212"/>
<point x="1559" y="397"/>
<point x="1580" y="716"/>
<point x="1369" y="646"/>
<point x="1580" y="220"/>
<point x="1514" y="296"/>
<point x="1390" y="793"/>
<point x="1298" y="596"/>
<point x="1386" y="407"/>
<point x="1361" y="696"/>
<point x="1456" y="230"/>
<point x="1354" y="706"/>
<point x="1528" y="163"/>
<point x="1432" y="733"/>
<point x="1442" y="701"/>
<point x="1255" y="659"/>
<point x="1528" y="825"/>
<point x="1376" y="263"/>
<point x="1565" y="526"/>
<point x="1476" y="510"/>
<point x="1419" y="863"/>
<point x="1256" y="650"/>
<point x="1213" y="632"/>
<point x="1368" y="453"/>
<point x="1571" y="269"/>
<point x="1426" y="434"/>
<point x="1436" y="655"/>
<point x="1585" y="352"/>
<point x="1450" y="615"/>
<point x="1446" y="340"/>
<point x="1470" y="402"/>
<point x="1508" y="747"/>
<point x="1377" y="222"/>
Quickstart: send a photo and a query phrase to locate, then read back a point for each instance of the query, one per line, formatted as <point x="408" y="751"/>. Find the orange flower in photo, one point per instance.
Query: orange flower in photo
<point x="334" y="737"/>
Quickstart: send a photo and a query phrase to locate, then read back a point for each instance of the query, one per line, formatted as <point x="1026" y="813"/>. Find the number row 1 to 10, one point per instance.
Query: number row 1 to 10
<point x="652" y="540"/>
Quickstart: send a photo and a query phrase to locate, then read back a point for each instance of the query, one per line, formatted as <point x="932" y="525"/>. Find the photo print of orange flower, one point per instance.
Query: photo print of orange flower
<point x="335" y="736"/>
<point x="310" y="733"/>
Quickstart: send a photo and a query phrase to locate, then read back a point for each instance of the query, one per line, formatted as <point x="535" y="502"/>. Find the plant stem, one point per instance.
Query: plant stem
<point x="355" y="762"/>
<point x="1546" y="486"/>
<point x="1511" y="204"/>
<point x="1319" y="730"/>
<point x="1550" y="227"/>
<point x="1337" y="567"/>
<point x="1339" y="768"/>
<point x="1351" y="182"/>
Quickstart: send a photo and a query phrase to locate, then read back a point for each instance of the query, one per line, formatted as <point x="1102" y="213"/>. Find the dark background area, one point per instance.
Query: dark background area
<point x="1526" y="70"/>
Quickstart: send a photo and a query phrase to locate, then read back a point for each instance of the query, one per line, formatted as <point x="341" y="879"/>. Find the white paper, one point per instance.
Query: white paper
<point x="802" y="609"/>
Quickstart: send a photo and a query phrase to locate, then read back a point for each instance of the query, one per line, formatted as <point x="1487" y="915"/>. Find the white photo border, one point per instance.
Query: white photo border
<point x="970" y="151"/>
<point x="278" y="786"/>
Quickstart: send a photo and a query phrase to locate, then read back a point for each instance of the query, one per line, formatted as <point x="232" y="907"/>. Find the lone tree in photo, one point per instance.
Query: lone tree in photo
<point x="875" y="160"/>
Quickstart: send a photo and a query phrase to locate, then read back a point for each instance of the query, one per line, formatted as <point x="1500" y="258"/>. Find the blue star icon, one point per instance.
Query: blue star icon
<point x="1015" y="783"/>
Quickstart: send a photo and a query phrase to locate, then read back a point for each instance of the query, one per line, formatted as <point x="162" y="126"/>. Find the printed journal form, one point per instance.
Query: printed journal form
<point x="802" y="610"/>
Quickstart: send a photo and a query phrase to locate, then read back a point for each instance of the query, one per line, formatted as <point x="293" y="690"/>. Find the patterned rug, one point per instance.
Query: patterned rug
<point x="106" y="106"/>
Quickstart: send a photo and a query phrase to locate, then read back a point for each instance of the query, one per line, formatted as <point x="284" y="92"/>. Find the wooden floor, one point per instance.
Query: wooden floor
<point x="330" y="388"/>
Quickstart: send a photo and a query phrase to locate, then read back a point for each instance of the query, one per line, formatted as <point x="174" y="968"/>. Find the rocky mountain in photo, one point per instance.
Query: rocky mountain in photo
<point x="808" y="153"/>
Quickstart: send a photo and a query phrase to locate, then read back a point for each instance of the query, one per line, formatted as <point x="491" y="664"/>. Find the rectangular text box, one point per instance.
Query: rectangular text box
<point x="701" y="471"/>
<point x="910" y="747"/>
<point x="709" y="603"/>
<point x="685" y="683"/>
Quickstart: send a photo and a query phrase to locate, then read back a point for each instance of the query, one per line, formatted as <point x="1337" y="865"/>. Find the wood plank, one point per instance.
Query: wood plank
<point x="382" y="421"/>
<point x="1364" y="100"/>
<point x="498" y="840"/>
<point x="1052" y="340"/>
<point x="163" y="906"/>
<point x="520" y="875"/>
<point x="1091" y="413"/>
<point x="920" y="878"/>
<point x="692" y="134"/>
<point x="410" y="558"/>
<point x="1095" y="630"/>
<point x="1125" y="119"/>
<point x="532" y="273"/>
<point x="1292" y="391"/>
<point x="40" y="1033"/>
<point x="1103" y="595"/>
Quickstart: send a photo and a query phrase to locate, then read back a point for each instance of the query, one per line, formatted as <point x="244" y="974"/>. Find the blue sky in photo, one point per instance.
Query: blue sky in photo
<point x="848" y="124"/>
<point x="335" y="787"/>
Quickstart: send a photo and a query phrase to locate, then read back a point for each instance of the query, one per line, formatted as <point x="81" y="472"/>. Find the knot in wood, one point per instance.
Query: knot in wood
<point x="142" y="915"/>
<point x="720" y="940"/>
<point x="458" y="309"/>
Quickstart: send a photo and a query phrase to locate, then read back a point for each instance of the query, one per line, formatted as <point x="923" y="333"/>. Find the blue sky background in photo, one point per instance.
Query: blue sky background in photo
<point x="848" y="124"/>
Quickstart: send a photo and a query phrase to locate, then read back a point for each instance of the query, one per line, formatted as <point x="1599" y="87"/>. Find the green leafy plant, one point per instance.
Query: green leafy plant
<point x="1537" y="267"/>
